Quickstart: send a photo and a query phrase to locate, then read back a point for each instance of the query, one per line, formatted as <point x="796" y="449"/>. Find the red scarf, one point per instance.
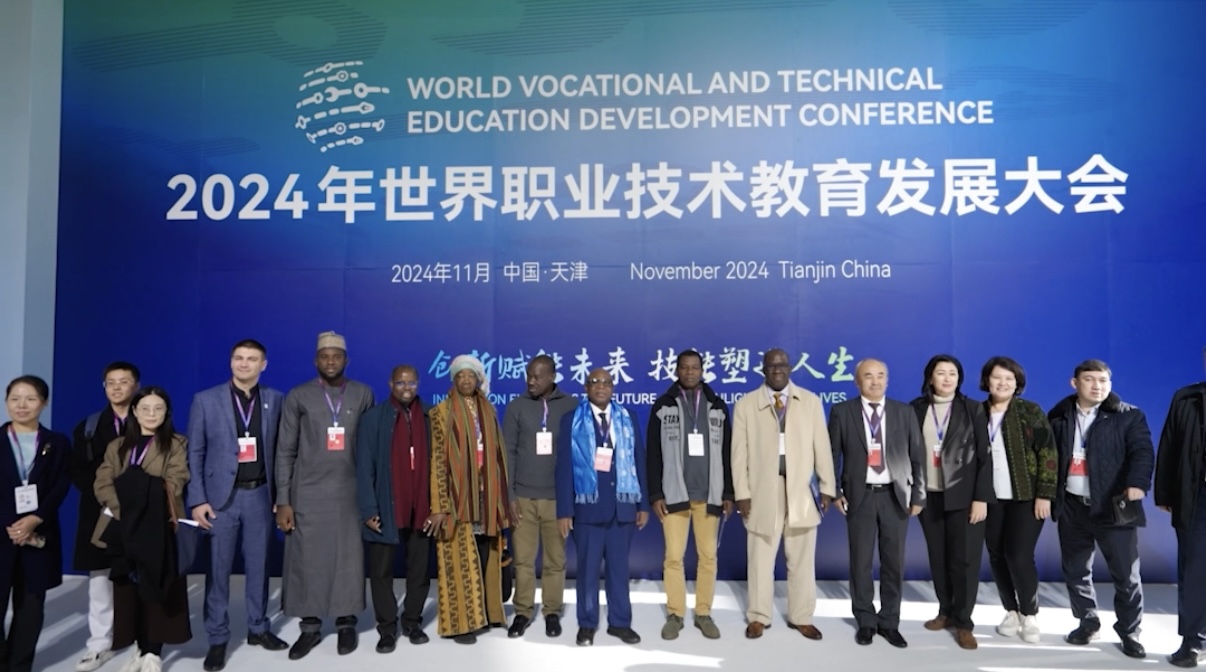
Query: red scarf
<point x="411" y="486"/>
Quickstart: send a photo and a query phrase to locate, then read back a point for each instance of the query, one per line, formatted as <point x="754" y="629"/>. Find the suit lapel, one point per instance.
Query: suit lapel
<point x="860" y="427"/>
<point x="41" y="453"/>
<point x="959" y="415"/>
<point x="8" y="462"/>
<point x="263" y="402"/>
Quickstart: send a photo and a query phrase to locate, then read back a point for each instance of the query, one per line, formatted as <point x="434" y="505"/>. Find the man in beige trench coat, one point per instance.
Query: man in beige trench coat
<point x="780" y="442"/>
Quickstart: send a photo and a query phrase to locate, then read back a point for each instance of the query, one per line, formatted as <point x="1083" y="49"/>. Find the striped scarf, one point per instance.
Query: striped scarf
<point x="468" y="491"/>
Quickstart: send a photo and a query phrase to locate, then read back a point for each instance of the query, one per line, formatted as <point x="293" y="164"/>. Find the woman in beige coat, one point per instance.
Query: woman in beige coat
<point x="151" y="444"/>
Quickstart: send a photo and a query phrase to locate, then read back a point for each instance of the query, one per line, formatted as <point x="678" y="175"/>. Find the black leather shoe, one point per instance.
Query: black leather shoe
<point x="1132" y="648"/>
<point x="302" y="646"/>
<point x="415" y="634"/>
<point x="216" y="658"/>
<point x="1081" y="636"/>
<point x="387" y="643"/>
<point x="586" y="637"/>
<point x="864" y="636"/>
<point x="467" y="638"/>
<point x="518" y="626"/>
<point x="626" y="635"/>
<point x="552" y="625"/>
<point x="347" y="641"/>
<point x="894" y="637"/>
<point x="268" y="641"/>
<point x="1186" y="656"/>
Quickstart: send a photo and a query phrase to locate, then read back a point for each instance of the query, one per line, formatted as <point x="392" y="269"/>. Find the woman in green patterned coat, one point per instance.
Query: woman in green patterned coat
<point x="1024" y="479"/>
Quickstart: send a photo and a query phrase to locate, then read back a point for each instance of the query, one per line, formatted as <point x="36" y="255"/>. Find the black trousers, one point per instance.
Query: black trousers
<point x="1078" y="534"/>
<point x="18" y="645"/>
<point x="1191" y="575"/>
<point x="954" y="547"/>
<point x="1011" y="536"/>
<point x="878" y="518"/>
<point x="381" y="581"/>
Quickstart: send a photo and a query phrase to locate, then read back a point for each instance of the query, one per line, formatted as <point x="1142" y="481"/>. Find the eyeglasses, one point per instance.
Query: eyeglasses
<point x="152" y="410"/>
<point x="406" y="383"/>
<point x="600" y="381"/>
<point x="109" y="384"/>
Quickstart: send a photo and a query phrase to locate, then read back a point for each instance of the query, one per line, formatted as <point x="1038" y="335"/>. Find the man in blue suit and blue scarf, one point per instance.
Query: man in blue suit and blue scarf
<point x="601" y="499"/>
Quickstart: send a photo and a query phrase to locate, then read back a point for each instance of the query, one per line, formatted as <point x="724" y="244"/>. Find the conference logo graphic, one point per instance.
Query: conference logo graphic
<point x="335" y="109"/>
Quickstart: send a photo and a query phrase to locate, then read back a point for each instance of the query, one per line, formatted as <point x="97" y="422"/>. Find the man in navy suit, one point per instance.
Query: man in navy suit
<point x="231" y="445"/>
<point x="601" y="498"/>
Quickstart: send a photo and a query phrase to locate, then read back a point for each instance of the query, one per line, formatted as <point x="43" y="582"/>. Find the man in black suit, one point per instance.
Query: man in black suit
<point x="1181" y="491"/>
<point x="881" y="480"/>
<point x="1105" y="469"/>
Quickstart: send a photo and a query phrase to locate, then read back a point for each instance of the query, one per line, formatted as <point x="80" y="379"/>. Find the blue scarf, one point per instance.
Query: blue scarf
<point x="586" y="482"/>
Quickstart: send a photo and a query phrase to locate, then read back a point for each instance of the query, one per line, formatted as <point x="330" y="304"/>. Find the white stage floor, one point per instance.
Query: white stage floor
<point x="779" y="648"/>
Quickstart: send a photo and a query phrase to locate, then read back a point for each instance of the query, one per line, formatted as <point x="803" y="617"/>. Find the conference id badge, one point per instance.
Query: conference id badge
<point x="603" y="458"/>
<point x="27" y="498"/>
<point x="875" y="457"/>
<point x="782" y="444"/>
<point x="937" y="454"/>
<point x="1077" y="468"/>
<point x="695" y="444"/>
<point x="544" y="443"/>
<point x="248" y="451"/>
<point x="335" y="438"/>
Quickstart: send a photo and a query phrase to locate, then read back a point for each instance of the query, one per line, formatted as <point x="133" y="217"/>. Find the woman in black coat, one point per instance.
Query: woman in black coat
<point x="33" y="484"/>
<point x="959" y="488"/>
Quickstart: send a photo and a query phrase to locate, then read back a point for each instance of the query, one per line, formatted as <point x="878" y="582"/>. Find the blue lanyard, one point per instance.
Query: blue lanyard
<point x="12" y="433"/>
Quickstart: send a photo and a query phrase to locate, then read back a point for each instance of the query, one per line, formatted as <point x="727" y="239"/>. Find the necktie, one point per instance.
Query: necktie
<point x="779" y="410"/>
<point x="605" y="429"/>
<point x="875" y="436"/>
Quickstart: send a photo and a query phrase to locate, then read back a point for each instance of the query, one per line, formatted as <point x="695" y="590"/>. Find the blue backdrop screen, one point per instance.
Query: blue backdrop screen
<point x="611" y="183"/>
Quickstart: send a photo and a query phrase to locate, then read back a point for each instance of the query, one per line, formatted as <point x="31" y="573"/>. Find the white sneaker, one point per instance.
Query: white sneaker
<point x="134" y="662"/>
<point x="93" y="660"/>
<point x="1008" y="627"/>
<point x="1030" y="629"/>
<point x="151" y="663"/>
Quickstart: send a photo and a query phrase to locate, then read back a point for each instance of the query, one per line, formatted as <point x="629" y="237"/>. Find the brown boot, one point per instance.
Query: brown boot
<point x="966" y="639"/>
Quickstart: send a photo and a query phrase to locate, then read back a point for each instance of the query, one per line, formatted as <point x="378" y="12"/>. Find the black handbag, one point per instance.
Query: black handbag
<point x="1125" y="511"/>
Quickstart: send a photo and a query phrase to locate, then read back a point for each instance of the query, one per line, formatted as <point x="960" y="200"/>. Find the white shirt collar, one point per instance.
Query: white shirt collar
<point x="784" y="393"/>
<point x="1091" y="413"/>
<point x="867" y="403"/>
<point x="598" y="410"/>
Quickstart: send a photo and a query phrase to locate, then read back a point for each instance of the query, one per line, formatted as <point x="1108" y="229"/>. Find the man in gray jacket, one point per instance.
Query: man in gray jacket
<point x="530" y="429"/>
<point x="689" y="457"/>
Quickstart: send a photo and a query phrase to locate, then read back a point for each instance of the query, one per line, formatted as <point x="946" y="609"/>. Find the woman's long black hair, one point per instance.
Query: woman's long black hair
<point x="163" y="435"/>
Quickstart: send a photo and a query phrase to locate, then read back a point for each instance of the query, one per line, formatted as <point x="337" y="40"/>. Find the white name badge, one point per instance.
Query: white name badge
<point x="27" y="498"/>
<point x="695" y="444"/>
<point x="937" y="454"/>
<point x="782" y="444"/>
<point x="335" y="438"/>
<point x="603" y="458"/>
<point x="247" y="449"/>
<point x="544" y="443"/>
